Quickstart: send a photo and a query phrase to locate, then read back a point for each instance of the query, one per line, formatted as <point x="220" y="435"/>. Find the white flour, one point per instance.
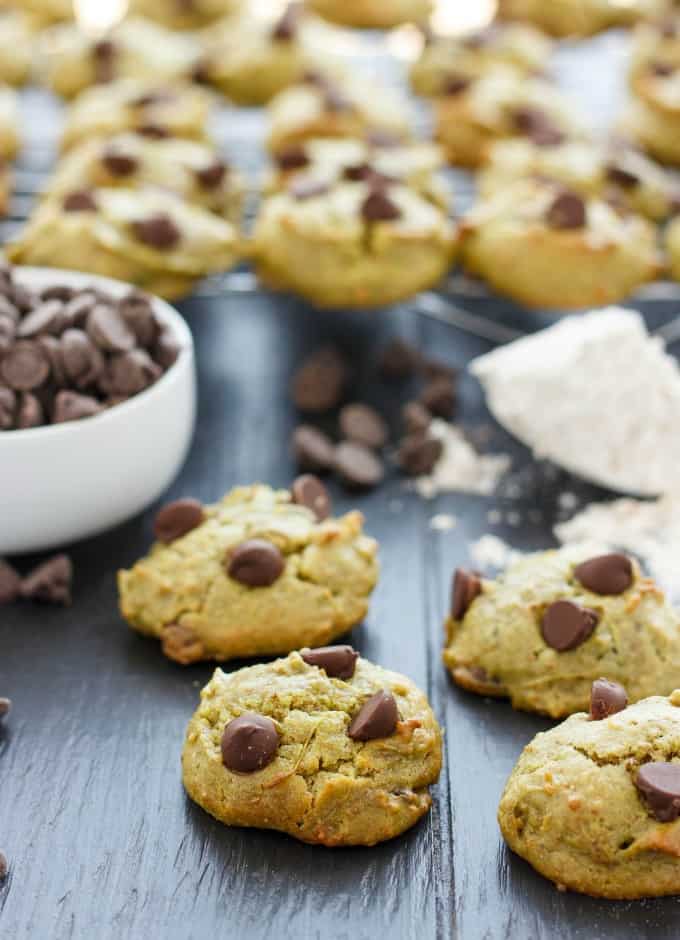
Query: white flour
<point x="492" y="552"/>
<point x="460" y="468"/>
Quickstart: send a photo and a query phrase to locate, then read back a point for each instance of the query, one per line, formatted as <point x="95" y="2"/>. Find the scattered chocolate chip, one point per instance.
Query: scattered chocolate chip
<point x="606" y="574"/>
<point x="131" y="372"/>
<point x="82" y="361"/>
<point x="659" y="785"/>
<point x="24" y="366"/>
<point x="455" y="85"/>
<point x="30" y="413"/>
<point x="10" y="582"/>
<point x="338" y="662"/>
<point x="357" y="466"/>
<point x="249" y="743"/>
<point x="377" y="718"/>
<point x="309" y="491"/>
<point x="363" y="424"/>
<point x="292" y="158"/>
<point x="312" y="449"/>
<point x="211" y="176"/>
<point x="418" y="453"/>
<point x="566" y="625"/>
<point x="158" y="231"/>
<point x="538" y="127"/>
<point x="48" y="317"/>
<point x="8" y="404"/>
<point x="286" y="28"/>
<point x="255" y="563"/>
<point x="399" y="360"/>
<point x="567" y="211"/>
<point x="378" y="207"/>
<point x="465" y="588"/>
<point x="606" y="698"/>
<point x="177" y="519"/>
<point x="81" y="200"/>
<point x="119" y="164"/>
<point x="303" y="188"/>
<point x="620" y="176"/>
<point x="4" y="867"/>
<point x="417" y="418"/>
<point x="50" y="583"/>
<point x="5" y="707"/>
<point x="319" y="383"/>
<point x="440" y="398"/>
<point x="70" y="406"/>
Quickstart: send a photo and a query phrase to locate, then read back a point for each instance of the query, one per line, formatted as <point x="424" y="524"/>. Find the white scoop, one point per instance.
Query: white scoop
<point x="597" y="395"/>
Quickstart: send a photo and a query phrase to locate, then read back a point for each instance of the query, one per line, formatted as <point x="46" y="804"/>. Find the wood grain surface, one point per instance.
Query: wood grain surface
<point x="101" y="839"/>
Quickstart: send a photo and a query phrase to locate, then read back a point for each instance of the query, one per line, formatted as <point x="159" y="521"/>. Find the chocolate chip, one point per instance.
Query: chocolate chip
<point x="417" y="418"/>
<point x="104" y="54"/>
<point x="8" y="404"/>
<point x="440" y="398"/>
<point x="51" y="347"/>
<point x="77" y="309"/>
<point x="8" y="309"/>
<point x="177" y="519"/>
<point x="82" y="362"/>
<point x="607" y="574"/>
<point x="58" y="292"/>
<point x="363" y="424"/>
<point x="365" y="173"/>
<point x="659" y="785"/>
<point x="119" y="164"/>
<point x="255" y="563"/>
<point x="150" y="98"/>
<point x="4" y="867"/>
<point x="8" y="332"/>
<point x="158" y="231"/>
<point x="466" y="587"/>
<point x="153" y="131"/>
<point x="50" y="583"/>
<point x="181" y="644"/>
<point x="357" y="466"/>
<point x="338" y="662"/>
<point x="399" y="360"/>
<point x="130" y="373"/>
<point x="567" y="211"/>
<point x="46" y="318"/>
<point x="70" y="406"/>
<point x="211" y="176"/>
<point x="249" y="743"/>
<point x="312" y="449"/>
<point x="538" y="127"/>
<point x="319" y="383"/>
<point x="81" y="200"/>
<point x="292" y="158"/>
<point x="606" y="698"/>
<point x="436" y="369"/>
<point x="107" y="328"/>
<point x="662" y="69"/>
<point x="30" y="413"/>
<point x="380" y="138"/>
<point x="24" y="366"/>
<point x="668" y="27"/>
<point x="378" y="207"/>
<point x="335" y="101"/>
<point x="309" y="491"/>
<point x="620" y="176"/>
<point x="10" y="582"/>
<point x="455" y="85"/>
<point x="566" y="625"/>
<point x="418" y="453"/>
<point x="303" y="188"/>
<point x="167" y="349"/>
<point x="137" y="310"/>
<point x="5" y="709"/>
<point x="286" y="28"/>
<point x="377" y="718"/>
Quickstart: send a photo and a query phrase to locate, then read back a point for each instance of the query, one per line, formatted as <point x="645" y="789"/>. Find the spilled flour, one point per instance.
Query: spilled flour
<point x="490" y="551"/>
<point x="461" y="468"/>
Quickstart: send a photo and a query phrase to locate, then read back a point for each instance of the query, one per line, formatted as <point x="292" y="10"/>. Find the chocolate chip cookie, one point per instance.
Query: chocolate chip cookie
<point x="260" y="573"/>
<point x="554" y="622"/>
<point x="594" y="803"/>
<point x="322" y="745"/>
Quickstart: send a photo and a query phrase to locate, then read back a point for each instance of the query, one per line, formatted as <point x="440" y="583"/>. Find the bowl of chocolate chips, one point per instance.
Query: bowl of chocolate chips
<point x="97" y="404"/>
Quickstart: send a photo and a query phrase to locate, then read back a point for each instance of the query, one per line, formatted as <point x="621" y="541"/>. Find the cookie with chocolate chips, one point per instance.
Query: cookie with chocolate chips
<point x="555" y="623"/>
<point x="593" y="804"/>
<point x="260" y="573"/>
<point x="322" y="745"/>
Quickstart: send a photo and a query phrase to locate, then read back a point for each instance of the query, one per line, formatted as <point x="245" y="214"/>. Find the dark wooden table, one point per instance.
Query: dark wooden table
<point x="102" y="841"/>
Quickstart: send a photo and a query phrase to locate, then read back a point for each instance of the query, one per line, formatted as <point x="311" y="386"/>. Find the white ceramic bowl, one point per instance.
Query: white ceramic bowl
<point x="68" y="481"/>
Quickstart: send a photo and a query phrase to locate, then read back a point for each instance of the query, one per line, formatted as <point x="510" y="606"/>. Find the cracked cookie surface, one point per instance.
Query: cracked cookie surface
<point x="322" y="785"/>
<point x="572" y="810"/>
<point x="182" y="593"/>
<point x="497" y="647"/>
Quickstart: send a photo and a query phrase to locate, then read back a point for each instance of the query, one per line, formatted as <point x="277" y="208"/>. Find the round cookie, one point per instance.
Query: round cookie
<point x="652" y="117"/>
<point x="548" y="627"/>
<point x="546" y="247"/>
<point x="154" y="110"/>
<point x="372" y="14"/>
<point x="190" y="169"/>
<point x="579" y="17"/>
<point x="593" y="804"/>
<point x="150" y="238"/>
<point x="618" y="173"/>
<point x="180" y="14"/>
<point x="205" y="600"/>
<point x="474" y="113"/>
<point x="293" y="747"/>
<point x="446" y="60"/>
<point x="364" y="243"/>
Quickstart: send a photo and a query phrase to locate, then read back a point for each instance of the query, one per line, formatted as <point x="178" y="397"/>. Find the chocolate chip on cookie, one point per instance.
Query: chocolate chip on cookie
<point x="377" y="718"/>
<point x="309" y="491"/>
<point x="455" y="85"/>
<point x="177" y="519"/>
<point x="255" y="563"/>
<point x="312" y="449"/>
<point x="158" y="231"/>
<point x="607" y="574"/>
<point x="286" y="28"/>
<point x="538" y="127"/>
<point x="293" y="157"/>
<point x="81" y="200"/>
<point x="50" y="583"/>
<point x="119" y="164"/>
<point x="10" y="582"/>
<point x="249" y="743"/>
<point x="363" y="424"/>
<point x="104" y="53"/>
<point x="181" y="644"/>
<point x="566" y="625"/>
<point x="211" y="176"/>
<point x="378" y="207"/>
<point x="606" y="698"/>
<point x="620" y="176"/>
<point x="357" y="466"/>
<point x="338" y="662"/>
<point x="659" y="785"/>
<point x="466" y="587"/>
<point x="567" y="211"/>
